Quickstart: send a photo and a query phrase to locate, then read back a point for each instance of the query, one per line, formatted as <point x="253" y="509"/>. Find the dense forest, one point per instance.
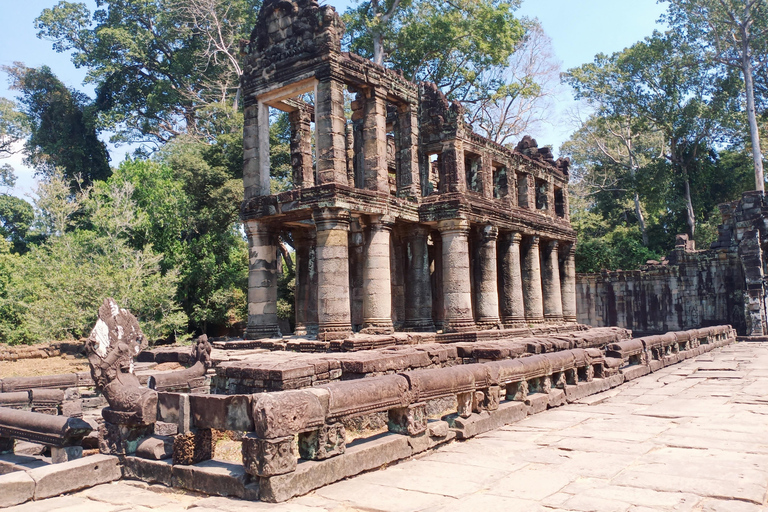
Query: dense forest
<point x="668" y="128"/>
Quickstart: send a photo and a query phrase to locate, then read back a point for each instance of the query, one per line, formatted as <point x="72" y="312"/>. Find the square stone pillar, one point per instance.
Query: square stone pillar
<point x="262" y="281"/>
<point x="486" y="175"/>
<point x="377" y="285"/>
<point x="487" y="295"/>
<point x="532" y="293"/>
<point x="512" y="301"/>
<point x="375" y="141"/>
<point x="256" y="150"/>
<point x="305" y="292"/>
<point x="453" y="177"/>
<point x="330" y="134"/>
<point x="301" y="149"/>
<point x="553" y="299"/>
<point x="408" y="177"/>
<point x="457" y="286"/>
<point x="333" y="308"/>
<point x="568" y="281"/>
<point x="418" y="289"/>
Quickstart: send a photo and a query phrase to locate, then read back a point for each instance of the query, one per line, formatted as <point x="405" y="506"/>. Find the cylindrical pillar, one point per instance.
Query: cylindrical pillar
<point x="568" y="282"/>
<point x="457" y="286"/>
<point x="487" y="298"/>
<point x="553" y="299"/>
<point x="262" y="281"/>
<point x="418" y="289"/>
<point x="377" y="285"/>
<point x="333" y="313"/>
<point x="534" y="307"/>
<point x="305" y="292"/>
<point x="512" y="302"/>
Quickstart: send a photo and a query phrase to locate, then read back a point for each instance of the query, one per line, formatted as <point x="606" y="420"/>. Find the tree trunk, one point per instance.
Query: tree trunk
<point x="690" y="215"/>
<point x="757" y="155"/>
<point x="378" y="48"/>
<point x="641" y="219"/>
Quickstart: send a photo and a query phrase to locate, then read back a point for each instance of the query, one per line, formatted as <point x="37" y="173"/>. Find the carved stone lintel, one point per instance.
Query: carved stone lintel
<point x="268" y="457"/>
<point x="323" y="443"/>
<point x="411" y="420"/>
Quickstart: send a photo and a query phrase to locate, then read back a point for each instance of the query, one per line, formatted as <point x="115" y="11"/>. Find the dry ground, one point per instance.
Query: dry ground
<point x="36" y="367"/>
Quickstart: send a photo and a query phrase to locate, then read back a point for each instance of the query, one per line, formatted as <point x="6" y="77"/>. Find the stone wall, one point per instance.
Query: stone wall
<point x="690" y="288"/>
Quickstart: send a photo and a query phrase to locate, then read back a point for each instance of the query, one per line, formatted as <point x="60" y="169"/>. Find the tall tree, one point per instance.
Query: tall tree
<point x="662" y="81"/>
<point x="733" y="33"/>
<point x="155" y="63"/>
<point x="449" y="43"/>
<point x="62" y="126"/>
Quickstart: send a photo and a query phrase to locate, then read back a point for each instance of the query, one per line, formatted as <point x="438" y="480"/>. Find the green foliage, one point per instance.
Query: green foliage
<point x="449" y="43"/>
<point x="14" y="127"/>
<point x="54" y="290"/>
<point x="62" y="129"/>
<point x="16" y="217"/>
<point x="155" y="63"/>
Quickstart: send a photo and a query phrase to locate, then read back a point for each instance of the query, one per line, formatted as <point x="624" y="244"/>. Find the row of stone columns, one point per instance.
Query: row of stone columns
<point x="535" y="286"/>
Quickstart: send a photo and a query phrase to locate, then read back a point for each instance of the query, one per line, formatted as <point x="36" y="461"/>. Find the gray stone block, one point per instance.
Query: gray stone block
<point x="150" y="471"/>
<point x="74" y="475"/>
<point x="15" y="488"/>
<point x="217" y="478"/>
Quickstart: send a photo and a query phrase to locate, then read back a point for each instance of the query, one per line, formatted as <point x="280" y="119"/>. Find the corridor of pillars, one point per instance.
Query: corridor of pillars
<point x="376" y="276"/>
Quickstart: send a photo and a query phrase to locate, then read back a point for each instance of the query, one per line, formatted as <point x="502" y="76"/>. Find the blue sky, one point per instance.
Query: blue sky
<point x="579" y="30"/>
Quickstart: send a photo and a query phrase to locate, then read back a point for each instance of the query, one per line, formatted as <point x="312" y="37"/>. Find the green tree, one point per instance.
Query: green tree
<point x="661" y="82"/>
<point x="733" y="33"/>
<point x="155" y="63"/>
<point x="62" y="128"/>
<point x="448" y="43"/>
<point x="13" y="127"/>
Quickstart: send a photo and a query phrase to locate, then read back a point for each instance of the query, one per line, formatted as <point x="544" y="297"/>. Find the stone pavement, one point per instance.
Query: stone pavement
<point x="691" y="437"/>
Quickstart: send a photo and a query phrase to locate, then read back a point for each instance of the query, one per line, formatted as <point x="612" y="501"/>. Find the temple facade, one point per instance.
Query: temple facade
<point x="401" y="216"/>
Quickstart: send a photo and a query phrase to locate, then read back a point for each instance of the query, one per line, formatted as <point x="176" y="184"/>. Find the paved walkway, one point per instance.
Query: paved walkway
<point x="691" y="437"/>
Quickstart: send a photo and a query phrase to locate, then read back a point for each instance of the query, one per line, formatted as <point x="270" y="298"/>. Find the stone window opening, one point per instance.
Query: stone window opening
<point x="472" y="171"/>
<point x="559" y="202"/>
<point x="500" y="182"/>
<point x="542" y="201"/>
<point x="298" y="169"/>
<point x="434" y="171"/>
<point x="522" y="190"/>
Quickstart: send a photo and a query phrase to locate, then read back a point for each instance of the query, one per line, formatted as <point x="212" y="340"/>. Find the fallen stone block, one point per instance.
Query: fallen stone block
<point x="362" y="455"/>
<point x="74" y="475"/>
<point x="155" y="448"/>
<point x="216" y="477"/>
<point x="15" y="488"/>
<point x="150" y="471"/>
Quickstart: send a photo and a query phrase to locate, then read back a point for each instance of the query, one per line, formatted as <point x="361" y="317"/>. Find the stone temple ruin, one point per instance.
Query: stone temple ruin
<point x="403" y="218"/>
<point x="435" y="301"/>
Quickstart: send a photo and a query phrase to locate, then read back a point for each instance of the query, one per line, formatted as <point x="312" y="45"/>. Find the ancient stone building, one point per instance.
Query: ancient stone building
<point x="690" y="288"/>
<point x="401" y="216"/>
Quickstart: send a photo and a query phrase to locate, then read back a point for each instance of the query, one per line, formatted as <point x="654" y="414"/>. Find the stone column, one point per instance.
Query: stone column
<point x="256" y="150"/>
<point x="487" y="298"/>
<point x="568" y="282"/>
<point x="262" y="281"/>
<point x="553" y="299"/>
<point x="375" y="142"/>
<point x="457" y="286"/>
<point x="418" y="289"/>
<point x="330" y="132"/>
<point x="408" y="177"/>
<point x="306" y="282"/>
<point x="512" y="301"/>
<point x="333" y="315"/>
<point x="534" y="307"/>
<point x="377" y="286"/>
<point x="301" y="149"/>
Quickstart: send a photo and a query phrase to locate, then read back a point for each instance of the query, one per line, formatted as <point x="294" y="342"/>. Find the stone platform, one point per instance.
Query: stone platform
<point x="687" y="437"/>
